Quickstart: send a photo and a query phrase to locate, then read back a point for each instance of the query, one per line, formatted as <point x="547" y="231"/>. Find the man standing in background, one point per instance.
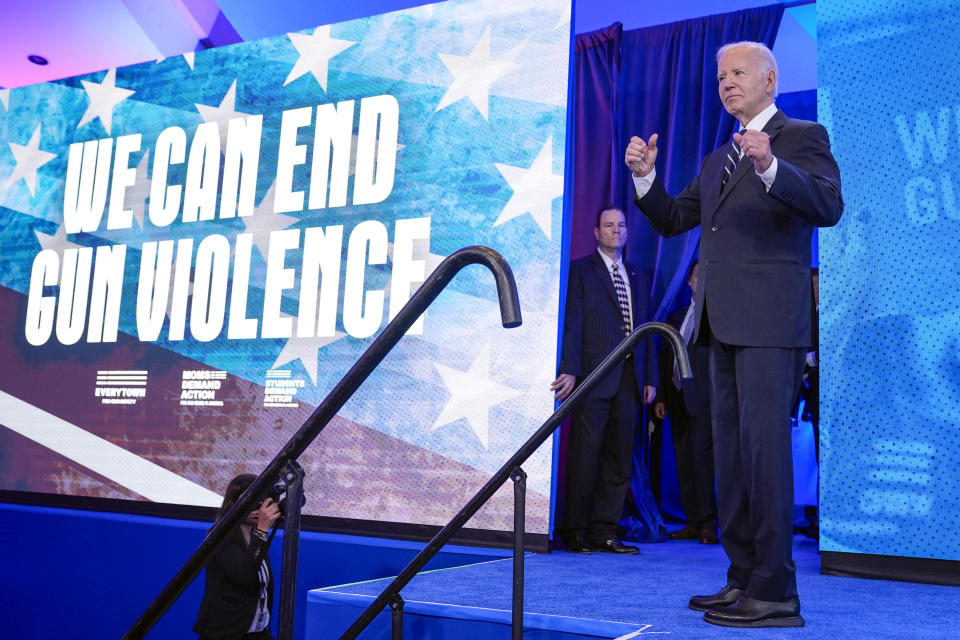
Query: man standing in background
<point x="810" y="394"/>
<point x="687" y="403"/>
<point x="607" y="298"/>
<point x="757" y="200"/>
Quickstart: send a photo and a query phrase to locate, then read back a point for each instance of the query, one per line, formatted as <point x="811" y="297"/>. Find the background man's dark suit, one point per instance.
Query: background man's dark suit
<point x="810" y="391"/>
<point x="689" y="411"/>
<point x="754" y="291"/>
<point x="600" y="446"/>
<point x="810" y="394"/>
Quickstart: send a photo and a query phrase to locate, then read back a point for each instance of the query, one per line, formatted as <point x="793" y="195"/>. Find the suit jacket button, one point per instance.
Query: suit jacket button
<point x="713" y="229"/>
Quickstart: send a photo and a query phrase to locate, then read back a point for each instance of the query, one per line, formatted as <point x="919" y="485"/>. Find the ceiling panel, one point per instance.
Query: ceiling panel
<point x="75" y="37"/>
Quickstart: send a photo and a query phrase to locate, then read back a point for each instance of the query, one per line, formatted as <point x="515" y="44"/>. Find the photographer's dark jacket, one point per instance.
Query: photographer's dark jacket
<point x="232" y="589"/>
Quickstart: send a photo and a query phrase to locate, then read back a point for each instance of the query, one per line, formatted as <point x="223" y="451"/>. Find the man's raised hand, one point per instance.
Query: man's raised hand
<point x="756" y="146"/>
<point x="641" y="155"/>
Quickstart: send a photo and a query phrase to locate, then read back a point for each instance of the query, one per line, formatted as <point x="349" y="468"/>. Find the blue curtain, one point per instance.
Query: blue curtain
<point x="595" y="106"/>
<point x="662" y="80"/>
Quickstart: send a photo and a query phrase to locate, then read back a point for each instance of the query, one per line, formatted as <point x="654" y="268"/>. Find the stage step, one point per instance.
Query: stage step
<point x="330" y="613"/>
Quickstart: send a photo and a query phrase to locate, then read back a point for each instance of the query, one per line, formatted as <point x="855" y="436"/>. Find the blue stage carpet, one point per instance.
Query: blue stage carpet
<point x="650" y="592"/>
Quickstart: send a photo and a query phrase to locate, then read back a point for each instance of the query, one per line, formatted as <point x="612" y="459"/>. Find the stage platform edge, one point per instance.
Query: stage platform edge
<point x="330" y="613"/>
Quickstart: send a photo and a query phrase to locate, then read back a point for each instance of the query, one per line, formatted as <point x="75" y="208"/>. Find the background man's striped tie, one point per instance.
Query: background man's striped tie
<point x="621" y="290"/>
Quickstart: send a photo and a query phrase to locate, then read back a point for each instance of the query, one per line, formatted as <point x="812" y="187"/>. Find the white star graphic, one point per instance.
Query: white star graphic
<point x="534" y="189"/>
<point x="136" y="196"/>
<point x="28" y="159"/>
<point x="315" y="53"/>
<point x="57" y="242"/>
<point x="306" y="350"/>
<point x="472" y="394"/>
<point x="103" y="98"/>
<point x="473" y="74"/>
<point x="222" y="114"/>
<point x="5" y="98"/>
<point x="263" y="221"/>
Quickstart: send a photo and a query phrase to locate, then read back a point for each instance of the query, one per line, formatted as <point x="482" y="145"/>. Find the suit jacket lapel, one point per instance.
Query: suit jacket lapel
<point x="710" y="197"/>
<point x="744" y="167"/>
<point x="600" y="267"/>
<point x="775" y="125"/>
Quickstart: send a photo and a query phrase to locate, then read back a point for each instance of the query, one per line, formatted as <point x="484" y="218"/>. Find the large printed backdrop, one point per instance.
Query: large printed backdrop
<point x="195" y="251"/>
<point x="890" y="347"/>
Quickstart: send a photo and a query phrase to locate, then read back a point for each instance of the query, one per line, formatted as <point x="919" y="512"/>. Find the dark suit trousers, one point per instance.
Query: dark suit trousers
<point x="812" y="405"/>
<point x="753" y="393"/>
<point x="599" y="460"/>
<point x="693" y="447"/>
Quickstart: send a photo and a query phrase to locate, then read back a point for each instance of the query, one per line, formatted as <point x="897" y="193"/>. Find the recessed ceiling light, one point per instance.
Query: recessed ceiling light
<point x="35" y="59"/>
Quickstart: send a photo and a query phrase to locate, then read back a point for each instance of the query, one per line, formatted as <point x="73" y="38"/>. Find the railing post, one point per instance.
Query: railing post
<point x="292" y="477"/>
<point x="519" y="477"/>
<point x="396" y="618"/>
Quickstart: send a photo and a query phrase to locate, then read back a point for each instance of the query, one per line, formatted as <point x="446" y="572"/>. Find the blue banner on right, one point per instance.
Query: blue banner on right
<point x="889" y="93"/>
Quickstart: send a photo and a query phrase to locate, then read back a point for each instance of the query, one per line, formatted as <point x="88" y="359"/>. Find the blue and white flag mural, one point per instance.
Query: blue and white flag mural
<point x="196" y="250"/>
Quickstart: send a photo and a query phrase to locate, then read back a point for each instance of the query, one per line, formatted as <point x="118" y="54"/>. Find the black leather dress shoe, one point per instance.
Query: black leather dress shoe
<point x="689" y="532"/>
<point x="723" y="598"/>
<point x="612" y="545"/>
<point x="748" y="612"/>
<point x="708" y="535"/>
<point x="576" y="544"/>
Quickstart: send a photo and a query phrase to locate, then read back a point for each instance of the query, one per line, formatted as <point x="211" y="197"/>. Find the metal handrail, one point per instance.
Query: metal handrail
<point x="327" y="410"/>
<point x="616" y="357"/>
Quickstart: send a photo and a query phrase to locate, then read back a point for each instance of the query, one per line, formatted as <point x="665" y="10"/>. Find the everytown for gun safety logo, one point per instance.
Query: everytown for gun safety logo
<point x="120" y="387"/>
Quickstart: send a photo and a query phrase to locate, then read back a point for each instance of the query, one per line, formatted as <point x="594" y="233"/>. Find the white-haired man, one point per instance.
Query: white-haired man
<point x="757" y="200"/>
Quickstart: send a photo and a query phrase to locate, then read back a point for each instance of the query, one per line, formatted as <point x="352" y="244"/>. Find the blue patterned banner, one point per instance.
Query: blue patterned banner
<point x="196" y="250"/>
<point x="890" y="353"/>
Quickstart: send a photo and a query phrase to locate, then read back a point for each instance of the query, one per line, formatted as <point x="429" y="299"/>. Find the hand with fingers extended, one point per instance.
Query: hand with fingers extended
<point x="641" y="155"/>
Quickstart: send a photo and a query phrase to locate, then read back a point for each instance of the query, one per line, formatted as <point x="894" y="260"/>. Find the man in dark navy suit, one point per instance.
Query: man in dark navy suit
<point x="757" y="200"/>
<point x="606" y="298"/>
<point x="687" y="403"/>
<point x="810" y="394"/>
